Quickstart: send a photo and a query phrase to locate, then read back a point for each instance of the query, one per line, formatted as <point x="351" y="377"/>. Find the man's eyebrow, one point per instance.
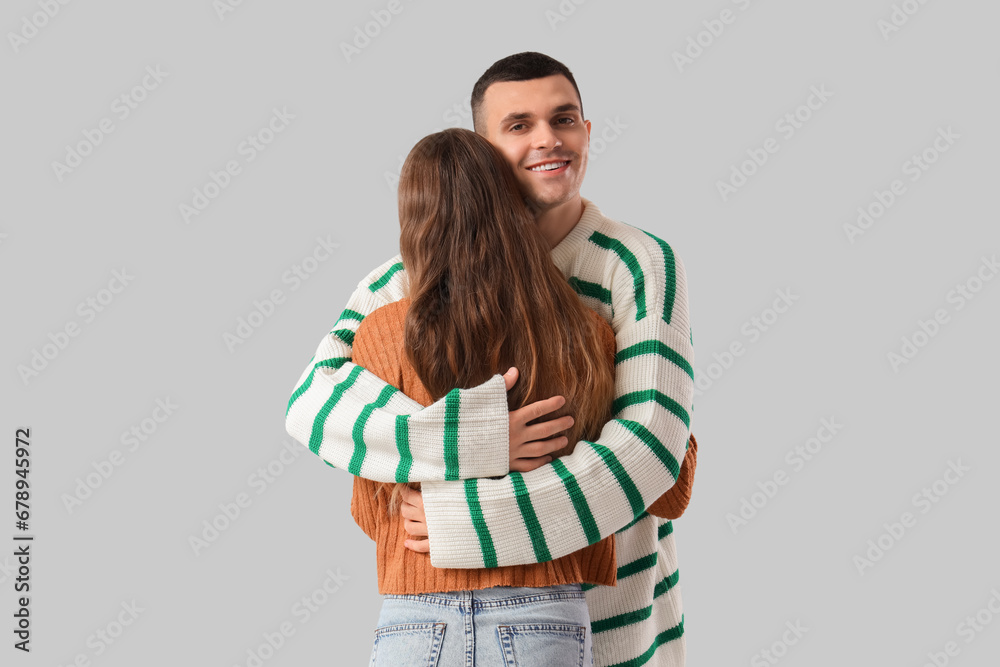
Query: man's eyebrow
<point x="516" y="115"/>
<point x="525" y="115"/>
<point x="566" y="107"/>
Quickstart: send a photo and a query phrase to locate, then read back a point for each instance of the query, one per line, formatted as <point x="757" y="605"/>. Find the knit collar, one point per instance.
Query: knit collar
<point x="569" y="247"/>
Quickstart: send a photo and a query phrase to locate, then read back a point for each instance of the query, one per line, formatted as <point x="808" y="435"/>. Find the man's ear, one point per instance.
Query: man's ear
<point x="587" y="123"/>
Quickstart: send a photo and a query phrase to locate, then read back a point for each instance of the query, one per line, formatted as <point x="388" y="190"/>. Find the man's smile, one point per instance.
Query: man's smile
<point x="550" y="167"/>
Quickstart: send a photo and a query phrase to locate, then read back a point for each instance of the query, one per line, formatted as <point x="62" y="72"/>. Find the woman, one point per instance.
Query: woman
<point x="484" y="295"/>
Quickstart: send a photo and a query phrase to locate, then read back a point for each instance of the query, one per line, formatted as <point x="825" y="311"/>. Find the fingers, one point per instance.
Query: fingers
<point x="545" y="429"/>
<point x="539" y="448"/>
<point x="509" y="378"/>
<point x="540" y="408"/>
<point x="530" y="446"/>
<point x="412" y="497"/>
<point x="415" y="528"/>
<point x="420" y="546"/>
<point x="412" y="512"/>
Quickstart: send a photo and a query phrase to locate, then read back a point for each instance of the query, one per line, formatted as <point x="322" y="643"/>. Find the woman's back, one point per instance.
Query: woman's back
<point x="379" y="347"/>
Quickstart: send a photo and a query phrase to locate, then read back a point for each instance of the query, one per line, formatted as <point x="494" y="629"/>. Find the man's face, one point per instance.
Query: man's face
<point x="537" y="125"/>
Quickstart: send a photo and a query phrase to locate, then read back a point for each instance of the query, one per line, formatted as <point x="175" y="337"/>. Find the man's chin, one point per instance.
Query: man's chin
<point x="539" y="203"/>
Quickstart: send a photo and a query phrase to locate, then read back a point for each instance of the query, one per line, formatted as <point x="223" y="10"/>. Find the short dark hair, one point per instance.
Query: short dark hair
<point x="523" y="66"/>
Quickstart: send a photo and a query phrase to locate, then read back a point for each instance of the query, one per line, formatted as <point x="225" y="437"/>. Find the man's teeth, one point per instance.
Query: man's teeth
<point x="549" y="167"/>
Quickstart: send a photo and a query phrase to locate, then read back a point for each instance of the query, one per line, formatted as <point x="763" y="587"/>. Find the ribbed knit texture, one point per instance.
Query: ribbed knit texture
<point x="637" y="284"/>
<point x="674" y="501"/>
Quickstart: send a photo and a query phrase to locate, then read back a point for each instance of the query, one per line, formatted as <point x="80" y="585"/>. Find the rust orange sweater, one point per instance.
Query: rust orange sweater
<point x="378" y="346"/>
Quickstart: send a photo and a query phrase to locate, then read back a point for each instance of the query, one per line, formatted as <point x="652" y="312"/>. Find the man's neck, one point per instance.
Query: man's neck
<point x="557" y="222"/>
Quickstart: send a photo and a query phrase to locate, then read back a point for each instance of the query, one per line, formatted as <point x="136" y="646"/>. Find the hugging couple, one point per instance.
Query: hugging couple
<point x="513" y="394"/>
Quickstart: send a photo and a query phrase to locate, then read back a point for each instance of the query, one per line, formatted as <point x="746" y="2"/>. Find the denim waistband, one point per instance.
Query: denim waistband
<point x="496" y="596"/>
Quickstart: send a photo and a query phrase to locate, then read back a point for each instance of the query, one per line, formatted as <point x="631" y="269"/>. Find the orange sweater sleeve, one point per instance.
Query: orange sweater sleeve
<point x="377" y="350"/>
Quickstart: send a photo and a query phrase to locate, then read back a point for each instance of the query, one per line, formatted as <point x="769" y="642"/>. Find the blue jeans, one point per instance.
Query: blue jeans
<point x="502" y="626"/>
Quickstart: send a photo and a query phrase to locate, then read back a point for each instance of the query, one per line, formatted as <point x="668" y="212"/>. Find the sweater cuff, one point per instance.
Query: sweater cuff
<point x="484" y="430"/>
<point x="452" y="535"/>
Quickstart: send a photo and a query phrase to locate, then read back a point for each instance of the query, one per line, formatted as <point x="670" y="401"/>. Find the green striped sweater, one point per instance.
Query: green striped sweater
<point x="356" y="421"/>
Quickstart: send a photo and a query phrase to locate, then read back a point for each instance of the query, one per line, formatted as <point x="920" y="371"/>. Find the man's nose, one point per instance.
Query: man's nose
<point x="545" y="137"/>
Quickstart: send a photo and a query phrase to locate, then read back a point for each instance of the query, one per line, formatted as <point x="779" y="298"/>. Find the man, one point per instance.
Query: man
<point x="528" y="105"/>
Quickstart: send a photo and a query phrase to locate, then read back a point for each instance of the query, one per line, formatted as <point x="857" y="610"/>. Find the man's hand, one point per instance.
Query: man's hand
<point x="530" y="446"/>
<point x="414" y="520"/>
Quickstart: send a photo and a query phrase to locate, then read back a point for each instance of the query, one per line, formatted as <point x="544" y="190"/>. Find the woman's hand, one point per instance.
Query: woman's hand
<point x="530" y="446"/>
<point x="414" y="520"/>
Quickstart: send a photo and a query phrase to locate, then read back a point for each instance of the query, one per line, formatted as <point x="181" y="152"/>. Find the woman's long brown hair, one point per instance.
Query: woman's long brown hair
<point x="485" y="293"/>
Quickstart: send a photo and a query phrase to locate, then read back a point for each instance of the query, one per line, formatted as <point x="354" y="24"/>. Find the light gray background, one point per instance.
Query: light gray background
<point x="325" y="176"/>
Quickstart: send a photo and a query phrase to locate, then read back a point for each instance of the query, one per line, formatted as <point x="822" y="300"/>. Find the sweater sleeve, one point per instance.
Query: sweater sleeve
<point x="356" y="421"/>
<point x="674" y="501"/>
<point x="602" y="486"/>
<point x="671" y="505"/>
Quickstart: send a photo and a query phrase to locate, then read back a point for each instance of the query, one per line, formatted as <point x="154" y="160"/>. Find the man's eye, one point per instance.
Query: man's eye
<point x="566" y="118"/>
<point x="516" y="125"/>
